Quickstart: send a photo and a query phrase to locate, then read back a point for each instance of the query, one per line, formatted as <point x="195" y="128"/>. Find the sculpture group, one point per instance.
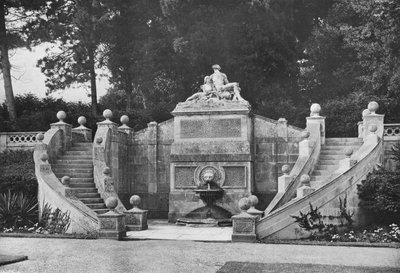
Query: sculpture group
<point x="216" y="86"/>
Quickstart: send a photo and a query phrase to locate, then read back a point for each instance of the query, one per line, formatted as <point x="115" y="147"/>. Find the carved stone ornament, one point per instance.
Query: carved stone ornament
<point x="202" y="174"/>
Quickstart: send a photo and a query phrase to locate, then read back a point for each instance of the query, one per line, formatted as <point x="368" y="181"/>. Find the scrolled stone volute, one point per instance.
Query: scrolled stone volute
<point x="286" y="169"/>
<point x="244" y="204"/>
<point x="135" y="200"/>
<point x="40" y="137"/>
<point x="305" y="134"/>
<point x="315" y="109"/>
<point x="373" y="106"/>
<point x="305" y="180"/>
<point x="99" y="140"/>
<point x="253" y="200"/>
<point x="107" y="171"/>
<point x="107" y="114"/>
<point x="66" y="180"/>
<point x="124" y="120"/>
<point x="111" y="203"/>
<point x="61" y="115"/>
<point x="373" y="128"/>
<point x="44" y="157"/>
<point x="365" y="113"/>
<point x="82" y="121"/>
<point x="348" y="152"/>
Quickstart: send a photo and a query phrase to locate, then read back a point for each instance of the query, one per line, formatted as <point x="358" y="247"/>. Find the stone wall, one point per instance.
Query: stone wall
<point x="274" y="144"/>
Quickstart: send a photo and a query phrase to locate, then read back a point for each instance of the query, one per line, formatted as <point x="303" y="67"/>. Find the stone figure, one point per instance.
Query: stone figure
<point x="207" y="91"/>
<point x="226" y="89"/>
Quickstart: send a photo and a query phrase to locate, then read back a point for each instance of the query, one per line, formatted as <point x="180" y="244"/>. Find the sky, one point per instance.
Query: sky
<point x="27" y="78"/>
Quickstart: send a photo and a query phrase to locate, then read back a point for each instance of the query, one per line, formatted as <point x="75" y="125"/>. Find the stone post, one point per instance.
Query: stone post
<point x="65" y="127"/>
<point x="82" y="133"/>
<point x="304" y="145"/>
<point x="152" y="156"/>
<point x="244" y="224"/>
<point x="305" y="189"/>
<point x="124" y="127"/>
<point x="112" y="224"/>
<point x="3" y="142"/>
<point x="136" y="218"/>
<point x="284" y="180"/>
<point x="372" y="118"/>
<point x="252" y="210"/>
<point x="282" y="129"/>
<point x="347" y="163"/>
<point x="316" y="123"/>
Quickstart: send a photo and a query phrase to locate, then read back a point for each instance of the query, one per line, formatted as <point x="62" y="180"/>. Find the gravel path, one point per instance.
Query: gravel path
<point x="72" y="255"/>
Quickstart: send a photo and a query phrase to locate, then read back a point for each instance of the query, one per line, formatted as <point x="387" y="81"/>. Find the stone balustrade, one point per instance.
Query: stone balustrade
<point x="391" y="130"/>
<point x="18" y="140"/>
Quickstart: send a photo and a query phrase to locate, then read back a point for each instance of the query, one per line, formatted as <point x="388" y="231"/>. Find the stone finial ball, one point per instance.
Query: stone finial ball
<point x="135" y="200"/>
<point x="373" y="128"/>
<point x="315" y="109"/>
<point x="99" y="140"/>
<point x="253" y="200"/>
<point x="82" y="120"/>
<point x="305" y="134"/>
<point x="124" y="119"/>
<point x="348" y="152"/>
<point x="65" y="180"/>
<point x="44" y="157"/>
<point x="244" y="203"/>
<point x="106" y="170"/>
<point x="365" y="113"/>
<point x="285" y="169"/>
<point x="373" y="107"/>
<point x="107" y="114"/>
<point x="40" y="137"/>
<point x="282" y="120"/>
<point x="305" y="179"/>
<point x="111" y="203"/>
<point x="61" y="115"/>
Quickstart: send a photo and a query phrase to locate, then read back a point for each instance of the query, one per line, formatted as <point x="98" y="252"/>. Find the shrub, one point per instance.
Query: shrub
<point x="17" y="210"/>
<point x="54" y="221"/>
<point x="17" y="172"/>
<point x="380" y="193"/>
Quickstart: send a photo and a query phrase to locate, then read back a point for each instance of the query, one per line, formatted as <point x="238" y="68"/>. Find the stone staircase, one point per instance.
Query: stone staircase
<point x="331" y="153"/>
<point x="78" y="165"/>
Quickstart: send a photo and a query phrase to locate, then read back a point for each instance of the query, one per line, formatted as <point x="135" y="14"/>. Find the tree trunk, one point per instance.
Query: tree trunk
<point x="6" y="68"/>
<point x="129" y="97"/>
<point x="93" y="88"/>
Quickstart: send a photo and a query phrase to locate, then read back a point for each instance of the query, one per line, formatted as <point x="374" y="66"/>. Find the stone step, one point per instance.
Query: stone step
<point x="82" y="180"/>
<point x="318" y="177"/>
<point x="72" y="166"/>
<point x="96" y="205"/>
<point x="332" y="157"/>
<point x="82" y="185"/>
<point x="341" y="147"/>
<point x="84" y="190"/>
<point x="332" y="152"/>
<point x="82" y="144"/>
<point x="87" y="195"/>
<point x="72" y="170"/>
<point x="74" y="160"/>
<point x="74" y="175"/>
<point x="343" y="139"/>
<point x="321" y="172"/>
<point x="331" y="144"/>
<point x="325" y="167"/>
<point x="80" y="148"/>
<point x="77" y="153"/>
<point x="101" y="211"/>
<point x="329" y="162"/>
<point x="92" y="200"/>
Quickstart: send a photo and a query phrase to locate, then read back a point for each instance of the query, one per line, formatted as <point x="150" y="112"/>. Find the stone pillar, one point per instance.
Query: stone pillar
<point x="252" y="210"/>
<point x="82" y="133"/>
<point x="124" y="127"/>
<point x="152" y="156"/>
<point x="65" y="127"/>
<point x="347" y="163"/>
<point x="244" y="224"/>
<point x="304" y="145"/>
<point x="305" y="189"/>
<point x="136" y="218"/>
<point x="372" y="118"/>
<point x="3" y="142"/>
<point x="284" y="180"/>
<point x="112" y="224"/>
<point x="316" y="123"/>
<point x="282" y="129"/>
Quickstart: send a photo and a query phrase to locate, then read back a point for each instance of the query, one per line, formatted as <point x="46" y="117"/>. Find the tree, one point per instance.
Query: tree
<point x="75" y="27"/>
<point x="17" y="12"/>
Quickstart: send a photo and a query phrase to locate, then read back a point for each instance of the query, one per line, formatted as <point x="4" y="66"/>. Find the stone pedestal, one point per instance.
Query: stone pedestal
<point x="216" y="136"/>
<point x="244" y="228"/>
<point x="136" y="218"/>
<point x="112" y="225"/>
